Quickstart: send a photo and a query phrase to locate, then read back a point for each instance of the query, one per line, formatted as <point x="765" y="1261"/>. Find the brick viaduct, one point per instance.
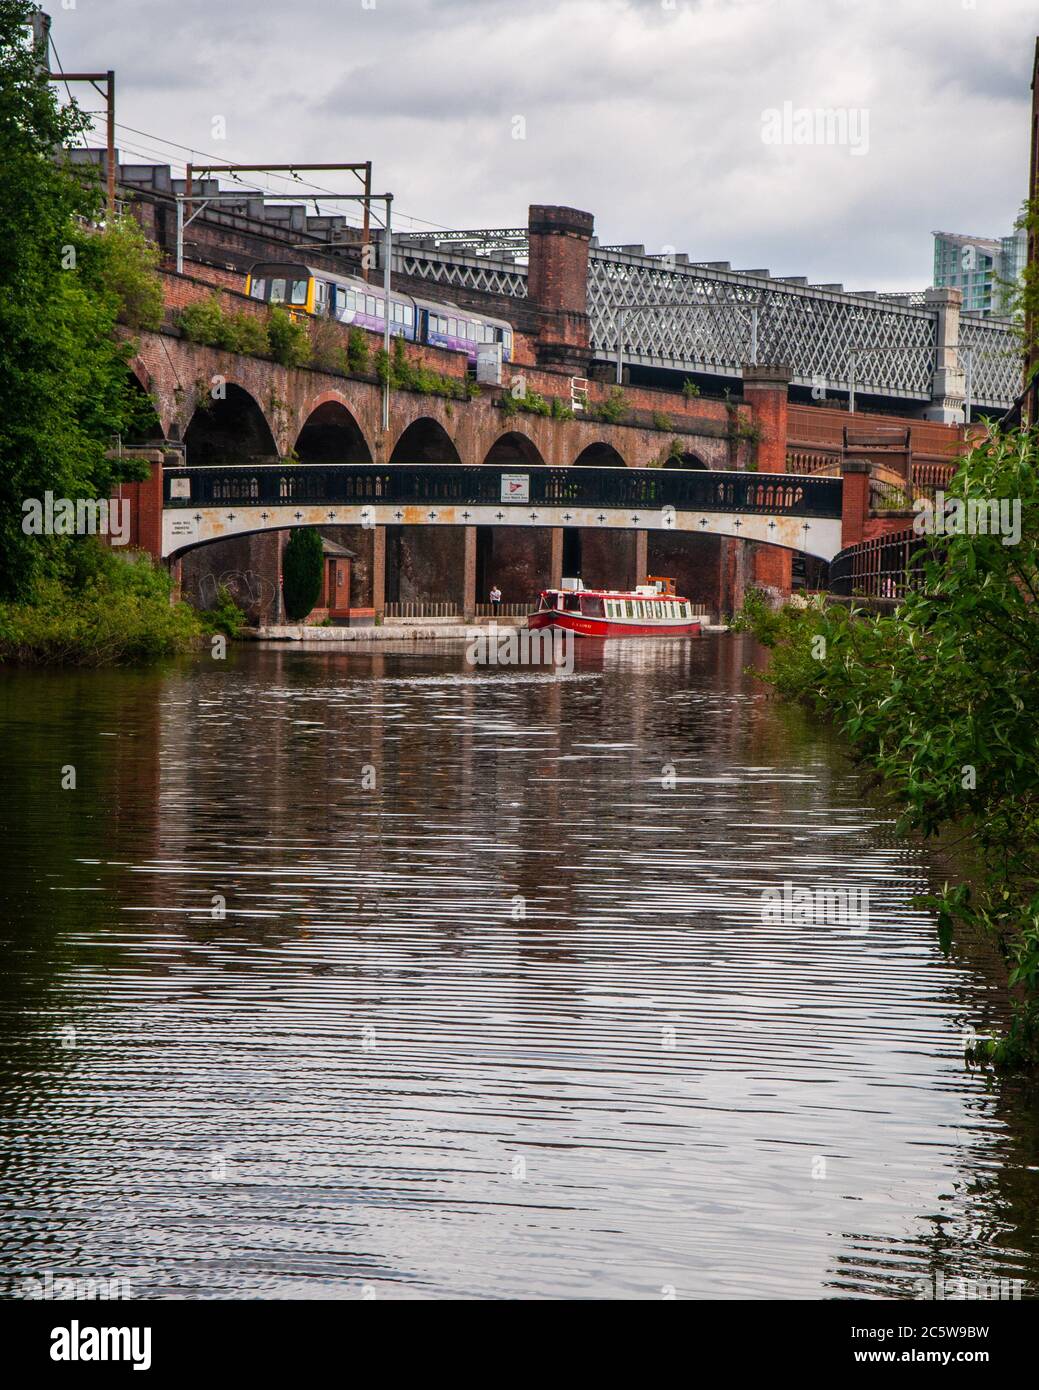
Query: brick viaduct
<point x="217" y="407"/>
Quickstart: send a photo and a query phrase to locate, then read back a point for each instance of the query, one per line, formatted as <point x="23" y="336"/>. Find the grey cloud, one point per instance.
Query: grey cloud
<point x="649" y="118"/>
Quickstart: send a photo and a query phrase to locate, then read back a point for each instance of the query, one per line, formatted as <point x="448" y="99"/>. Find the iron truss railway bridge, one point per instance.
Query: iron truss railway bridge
<point x="211" y="503"/>
<point x="696" y="318"/>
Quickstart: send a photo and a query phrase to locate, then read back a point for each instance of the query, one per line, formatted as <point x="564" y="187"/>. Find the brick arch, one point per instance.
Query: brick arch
<point x="687" y="459"/>
<point x="514" y="447"/>
<point x="424" y="440"/>
<point x="600" y="455"/>
<point x="144" y="377"/>
<point x="330" y="431"/>
<point x="233" y="429"/>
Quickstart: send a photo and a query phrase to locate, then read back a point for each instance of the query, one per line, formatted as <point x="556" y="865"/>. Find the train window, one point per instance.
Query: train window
<point x="369" y="305"/>
<point x="299" y="291"/>
<point x="258" y="289"/>
<point x="320" y="293"/>
<point x="278" y="291"/>
<point x="409" y="315"/>
<point x="452" y="328"/>
<point x="380" y="308"/>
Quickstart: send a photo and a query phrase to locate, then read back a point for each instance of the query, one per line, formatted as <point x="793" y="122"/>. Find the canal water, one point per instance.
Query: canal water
<point x="352" y="974"/>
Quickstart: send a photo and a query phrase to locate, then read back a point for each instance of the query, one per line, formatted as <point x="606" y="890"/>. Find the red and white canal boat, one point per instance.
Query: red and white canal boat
<point x="652" y="609"/>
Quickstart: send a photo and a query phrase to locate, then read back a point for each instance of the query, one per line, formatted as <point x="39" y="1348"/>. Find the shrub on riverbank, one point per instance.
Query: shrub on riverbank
<point x="224" y="616"/>
<point x="105" y="608"/>
<point x="302" y="570"/>
<point x="941" y="700"/>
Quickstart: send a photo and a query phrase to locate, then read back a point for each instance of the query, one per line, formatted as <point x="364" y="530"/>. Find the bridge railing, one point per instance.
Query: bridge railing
<point x="410" y="485"/>
<point x="885" y="567"/>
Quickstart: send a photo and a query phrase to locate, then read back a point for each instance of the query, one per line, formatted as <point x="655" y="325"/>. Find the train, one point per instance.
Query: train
<point x="301" y="289"/>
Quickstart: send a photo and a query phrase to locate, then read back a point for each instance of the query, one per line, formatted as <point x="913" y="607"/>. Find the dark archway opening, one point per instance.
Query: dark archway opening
<point x="425" y="441"/>
<point x="514" y="450"/>
<point x="332" y="435"/>
<point x="599" y="456"/>
<point x="602" y="559"/>
<point x="231" y="429"/>
<point x="685" y="460"/>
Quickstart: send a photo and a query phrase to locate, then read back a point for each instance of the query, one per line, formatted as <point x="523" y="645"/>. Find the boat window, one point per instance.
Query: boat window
<point x="593" y="608"/>
<point x="627" y="605"/>
<point x="573" y="603"/>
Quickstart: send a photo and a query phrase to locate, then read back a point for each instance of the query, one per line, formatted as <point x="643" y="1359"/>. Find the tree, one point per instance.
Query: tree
<point x="302" y="572"/>
<point x="64" y="383"/>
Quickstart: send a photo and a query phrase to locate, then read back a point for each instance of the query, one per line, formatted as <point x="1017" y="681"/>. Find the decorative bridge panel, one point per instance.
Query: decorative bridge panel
<point x="995" y="360"/>
<point x="211" y="503"/>
<point x="699" y="320"/>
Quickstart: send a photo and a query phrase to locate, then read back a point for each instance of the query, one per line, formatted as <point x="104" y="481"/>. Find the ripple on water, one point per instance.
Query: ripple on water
<point x="345" y="970"/>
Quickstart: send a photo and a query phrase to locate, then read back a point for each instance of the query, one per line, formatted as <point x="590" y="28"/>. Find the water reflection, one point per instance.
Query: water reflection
<point x="344" y="971"/>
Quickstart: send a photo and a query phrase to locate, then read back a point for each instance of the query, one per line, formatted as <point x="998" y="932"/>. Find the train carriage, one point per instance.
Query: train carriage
<point x="303" y="290"/>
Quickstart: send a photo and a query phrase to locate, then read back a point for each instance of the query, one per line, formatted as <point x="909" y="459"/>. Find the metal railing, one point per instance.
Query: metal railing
<point x="422" y="610"/>
<point x="885" y="567"/>
<point x="433" y="485"/>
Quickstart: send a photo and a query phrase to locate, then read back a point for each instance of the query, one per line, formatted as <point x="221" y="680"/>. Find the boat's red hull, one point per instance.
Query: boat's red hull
<point x="606" y="627"/>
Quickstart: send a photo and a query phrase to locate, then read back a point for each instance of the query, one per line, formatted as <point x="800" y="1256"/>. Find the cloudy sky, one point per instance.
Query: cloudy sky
<point x="651" y="114"/>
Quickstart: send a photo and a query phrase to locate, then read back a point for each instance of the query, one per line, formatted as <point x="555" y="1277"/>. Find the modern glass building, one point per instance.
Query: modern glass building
<point x="982" y="267"/>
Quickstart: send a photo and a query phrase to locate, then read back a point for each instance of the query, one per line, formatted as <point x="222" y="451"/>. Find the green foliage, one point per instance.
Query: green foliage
<point x="690" y="390"/>
<point x="405" y="375"/>
<point x="244" y="332"/>
<point x="224" y="616"/>
<point x="614" y="408"/>
<point x="326" y="345"/>
<point x="290" y="342"/>
<point x="64" y="388"/>
<point x="202" y="321"/>
<point x="661" y="421"/>
<point x="302" y="573"/>
<point x="103" y="607"/>
<point x="941" y="700"/>
<point x="550" y="407"/>
<point x="358" y="353"/>
<point x="126" y="264"/>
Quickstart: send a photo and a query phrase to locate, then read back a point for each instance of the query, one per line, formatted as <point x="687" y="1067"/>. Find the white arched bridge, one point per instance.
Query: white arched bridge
<point x="794" y="511"/>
